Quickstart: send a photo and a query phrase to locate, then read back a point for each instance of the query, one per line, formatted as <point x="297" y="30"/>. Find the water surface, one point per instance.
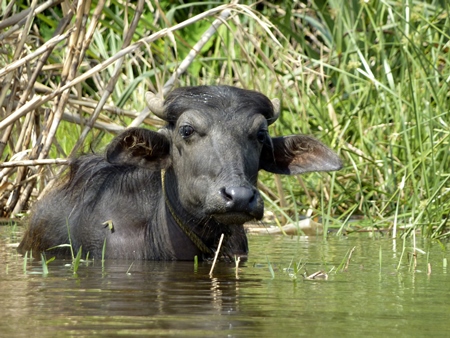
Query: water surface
<point x="379" y="294"/>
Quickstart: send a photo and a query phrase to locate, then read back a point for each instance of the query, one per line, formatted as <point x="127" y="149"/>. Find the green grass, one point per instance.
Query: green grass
<point x="271" y="269"/>
<point x="370" y="79"/>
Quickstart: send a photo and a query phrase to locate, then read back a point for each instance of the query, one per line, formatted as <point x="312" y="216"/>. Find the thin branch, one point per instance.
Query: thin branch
<point x="76" y="118"/>
<point x="21" y="16"/>
<point x="41" y="50"/>
<point x="71" y="65"/>
<point x="26" y="163"/>
<point x="112" y="82"/>
<point x="196" y="49"/>
<point x="186" y="62"/>
<point x="18" y="51"/>
<point x="12" y="20"/>
<point x="38" y="101"/>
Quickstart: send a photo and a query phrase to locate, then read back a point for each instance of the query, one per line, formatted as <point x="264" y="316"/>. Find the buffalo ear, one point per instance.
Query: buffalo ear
<point x="298" y="154"/>
<point x="139" y="147"/>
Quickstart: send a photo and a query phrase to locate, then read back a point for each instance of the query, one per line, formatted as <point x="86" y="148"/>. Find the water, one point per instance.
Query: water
<point x="178" y="299"/>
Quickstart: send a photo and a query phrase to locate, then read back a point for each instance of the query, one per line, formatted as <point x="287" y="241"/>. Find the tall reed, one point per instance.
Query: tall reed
<point x="369" y="78"/>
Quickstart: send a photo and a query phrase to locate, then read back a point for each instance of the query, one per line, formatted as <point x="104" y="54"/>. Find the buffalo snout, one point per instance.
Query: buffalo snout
<point x="240" y="199"/>
<point x="238" y="204"/>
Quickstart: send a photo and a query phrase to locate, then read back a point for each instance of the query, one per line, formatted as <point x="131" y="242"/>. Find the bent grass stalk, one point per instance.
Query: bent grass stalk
<point x="44" y="265"/>
<point x="70" y="239"/>
<point x="380" y="258"/>
<point x="216" y="255"/>
<point x="195" y="263"/>
<point x="346" y="260"/>
<point x="237" y="260"/>
<point x="24" y="266"/>
<point x="128" y="273"/>
<point x="77" y="260"/>
<point x="270" y="267"/>
<point x="103" y="254"/>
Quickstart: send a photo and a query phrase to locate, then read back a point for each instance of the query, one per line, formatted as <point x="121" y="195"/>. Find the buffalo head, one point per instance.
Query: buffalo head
<point x="215" y="142"/>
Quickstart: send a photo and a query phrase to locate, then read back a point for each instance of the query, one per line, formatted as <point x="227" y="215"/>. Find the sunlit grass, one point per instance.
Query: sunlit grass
<point x="370" y="79"/>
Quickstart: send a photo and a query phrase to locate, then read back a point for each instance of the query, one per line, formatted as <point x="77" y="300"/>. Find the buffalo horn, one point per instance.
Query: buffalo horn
<point x="276" y="110"/>
<point x="155" y="104"/>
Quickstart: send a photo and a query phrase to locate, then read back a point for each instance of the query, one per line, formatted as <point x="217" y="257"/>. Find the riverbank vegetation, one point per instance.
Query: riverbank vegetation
<point x="369" y="78"/>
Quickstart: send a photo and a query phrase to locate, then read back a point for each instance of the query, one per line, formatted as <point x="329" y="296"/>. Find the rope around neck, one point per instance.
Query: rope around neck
<point x="192" y="236"/>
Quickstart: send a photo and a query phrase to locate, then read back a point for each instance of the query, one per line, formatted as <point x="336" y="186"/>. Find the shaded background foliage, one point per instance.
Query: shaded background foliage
<point x="370" y="78"/>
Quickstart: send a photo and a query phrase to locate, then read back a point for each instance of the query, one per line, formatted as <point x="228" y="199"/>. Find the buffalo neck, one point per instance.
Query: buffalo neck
<point x="204" y="232"/>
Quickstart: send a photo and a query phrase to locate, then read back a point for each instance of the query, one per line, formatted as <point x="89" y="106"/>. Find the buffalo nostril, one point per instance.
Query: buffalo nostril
<point x="226" y="195"/>
<point x="238" y="198"/>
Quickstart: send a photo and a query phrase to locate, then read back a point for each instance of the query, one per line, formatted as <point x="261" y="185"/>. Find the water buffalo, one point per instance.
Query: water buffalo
<point x="169" y="195"/>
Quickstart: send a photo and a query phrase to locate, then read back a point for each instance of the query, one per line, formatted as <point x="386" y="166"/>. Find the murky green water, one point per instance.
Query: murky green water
<point x="175" y="299"/>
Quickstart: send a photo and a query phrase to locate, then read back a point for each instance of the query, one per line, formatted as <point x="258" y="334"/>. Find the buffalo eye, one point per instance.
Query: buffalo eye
<point x="261" y="135"/>
<point x="186" y="131"/>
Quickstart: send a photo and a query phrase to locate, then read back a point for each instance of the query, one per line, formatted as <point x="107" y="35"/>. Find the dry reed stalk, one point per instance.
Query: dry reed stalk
<point x="107" y="126"/>
<point x="50" y="44"/>
<point x="117" y="70"/>
<point x="75" y="51"/>
<point x="347" y="263"/>
<point x="20" y="195"/>
<point x="219" y="246"/>
<point x="21" y="172"/>
<point x="29" y="128"/>
<point x="26" y="163"/>
<point x="39" y="101"/>
<point x="87" y="105"/>
<point x="78" y="43"/>
<point x="19" y="19"/>
<point x="167" y="86"/>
